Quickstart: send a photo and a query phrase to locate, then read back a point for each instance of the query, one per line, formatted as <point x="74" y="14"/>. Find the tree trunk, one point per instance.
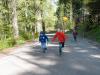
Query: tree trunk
<point x="14" y="19"/>
<point x="43" y="26"/>
<point x="38" y="22"/>
<point x="71" y="12"/>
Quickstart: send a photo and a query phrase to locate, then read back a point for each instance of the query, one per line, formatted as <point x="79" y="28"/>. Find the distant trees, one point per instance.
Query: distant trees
<point x="20" y="19"/>
<point x="94" y="9"/>
<point x="69" y="9"/>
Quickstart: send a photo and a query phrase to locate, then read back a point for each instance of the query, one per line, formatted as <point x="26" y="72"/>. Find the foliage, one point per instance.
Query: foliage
<point x="94" y="27"/>
<point x="29" y="13"/>
<point x="25" y="15"/>
<point x="7" y="43"/>
<point x="94" y="34"/>
<point x="36" y="35"/>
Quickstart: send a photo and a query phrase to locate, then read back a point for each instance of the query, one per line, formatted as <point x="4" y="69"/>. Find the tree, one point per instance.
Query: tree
<point x="21" y="18"/>
<point x="38" y="16"/>
<point x="14" y="19"/>
<point x="65" y="9"/>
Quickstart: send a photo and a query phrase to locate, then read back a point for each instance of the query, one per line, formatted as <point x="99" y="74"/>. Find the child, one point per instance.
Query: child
<point x="43" y="39"/>
<point x="61" y="39"/>
<point x="75" y="35"/>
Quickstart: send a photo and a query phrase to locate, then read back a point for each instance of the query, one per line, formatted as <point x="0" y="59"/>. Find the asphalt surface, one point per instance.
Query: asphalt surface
<point x="79" y="58"/>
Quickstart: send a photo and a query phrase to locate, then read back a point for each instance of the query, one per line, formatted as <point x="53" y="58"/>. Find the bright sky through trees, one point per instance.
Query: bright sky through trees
<point x="54" y="3"/>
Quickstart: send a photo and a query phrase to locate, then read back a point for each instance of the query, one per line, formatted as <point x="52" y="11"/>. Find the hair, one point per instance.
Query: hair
<point x="58" y="29"/>
<point x="42" y="32"/>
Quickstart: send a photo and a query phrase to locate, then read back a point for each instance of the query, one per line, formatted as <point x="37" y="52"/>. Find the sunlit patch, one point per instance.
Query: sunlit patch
<point x="77" y="48"/>
<point x="40" y="70"/>
<point x="95" y="56"/>
<point x="46" y="62"/>
<point x="50" y="37"/>
<point x="53" y="45"/>
<point x="67" y="50"/>
<point x="94" y="47"/>
<point x="50" y="34"/>
<point x="82" y="51"/>
<point x="78" y="67"/>
<point x="37" y="44"/>
<point x="48" y="45"/>
<point x="41" y="64"/>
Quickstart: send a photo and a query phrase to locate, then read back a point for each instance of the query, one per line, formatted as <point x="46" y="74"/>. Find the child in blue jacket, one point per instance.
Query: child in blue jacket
<point x="43" y="39"/>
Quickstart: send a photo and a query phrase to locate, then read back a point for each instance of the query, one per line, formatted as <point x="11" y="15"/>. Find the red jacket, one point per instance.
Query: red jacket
<point x="60" y="36"/>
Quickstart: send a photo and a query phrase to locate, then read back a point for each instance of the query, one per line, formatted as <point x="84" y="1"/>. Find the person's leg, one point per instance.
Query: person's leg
<point x="41" y="45"/>
<point x="75" y="38"/>
<point x="60" y="48"/>
<point x="63" y="43"/>
<point x="44" y="47"/>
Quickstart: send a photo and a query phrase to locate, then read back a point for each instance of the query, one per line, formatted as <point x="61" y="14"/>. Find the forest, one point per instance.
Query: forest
<point x="22" y="20"/>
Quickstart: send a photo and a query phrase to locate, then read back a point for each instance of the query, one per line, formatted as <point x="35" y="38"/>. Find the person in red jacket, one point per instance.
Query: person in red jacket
<point x="61" y="39"/>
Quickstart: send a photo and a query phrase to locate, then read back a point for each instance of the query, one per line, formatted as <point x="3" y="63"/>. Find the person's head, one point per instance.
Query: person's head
<point x="42" y="33"/>
<point x="58" y="29"/>
<point x="74" y="30"/>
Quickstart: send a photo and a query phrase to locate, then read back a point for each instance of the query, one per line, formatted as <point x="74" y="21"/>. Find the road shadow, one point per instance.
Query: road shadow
<point x="79" y="58"/>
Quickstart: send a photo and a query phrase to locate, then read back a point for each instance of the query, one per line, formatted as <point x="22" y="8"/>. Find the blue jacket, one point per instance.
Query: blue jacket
<point x="43" y="38"/>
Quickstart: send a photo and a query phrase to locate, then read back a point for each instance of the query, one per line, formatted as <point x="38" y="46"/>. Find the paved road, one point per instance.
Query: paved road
<point x="81" y="58"/>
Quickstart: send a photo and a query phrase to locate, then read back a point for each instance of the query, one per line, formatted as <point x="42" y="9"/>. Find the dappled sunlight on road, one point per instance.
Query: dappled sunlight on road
<point x="67" y="49"/>
<point x="52" y="45"/>
<point x="78" y="67"/>
<point x="93" y="47"/>
<point x="78" y="48"/>
<point x="82" y="51"/>
<point x="95" y="56"/>
<point x="78" y="58"/>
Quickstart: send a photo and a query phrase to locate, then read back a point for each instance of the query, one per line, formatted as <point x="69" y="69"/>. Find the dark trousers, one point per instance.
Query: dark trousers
<point x="61" y="44"/>
<point x="75" y="37"/>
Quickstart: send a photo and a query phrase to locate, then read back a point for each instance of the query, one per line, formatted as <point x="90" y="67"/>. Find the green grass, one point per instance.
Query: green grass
<point x="93" y="34"/>
<point x="10" y="42"/>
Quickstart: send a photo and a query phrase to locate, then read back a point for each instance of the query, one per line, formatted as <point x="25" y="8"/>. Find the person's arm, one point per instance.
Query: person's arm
<point x="47" y="38"/>
<point x="54" y="37"/>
